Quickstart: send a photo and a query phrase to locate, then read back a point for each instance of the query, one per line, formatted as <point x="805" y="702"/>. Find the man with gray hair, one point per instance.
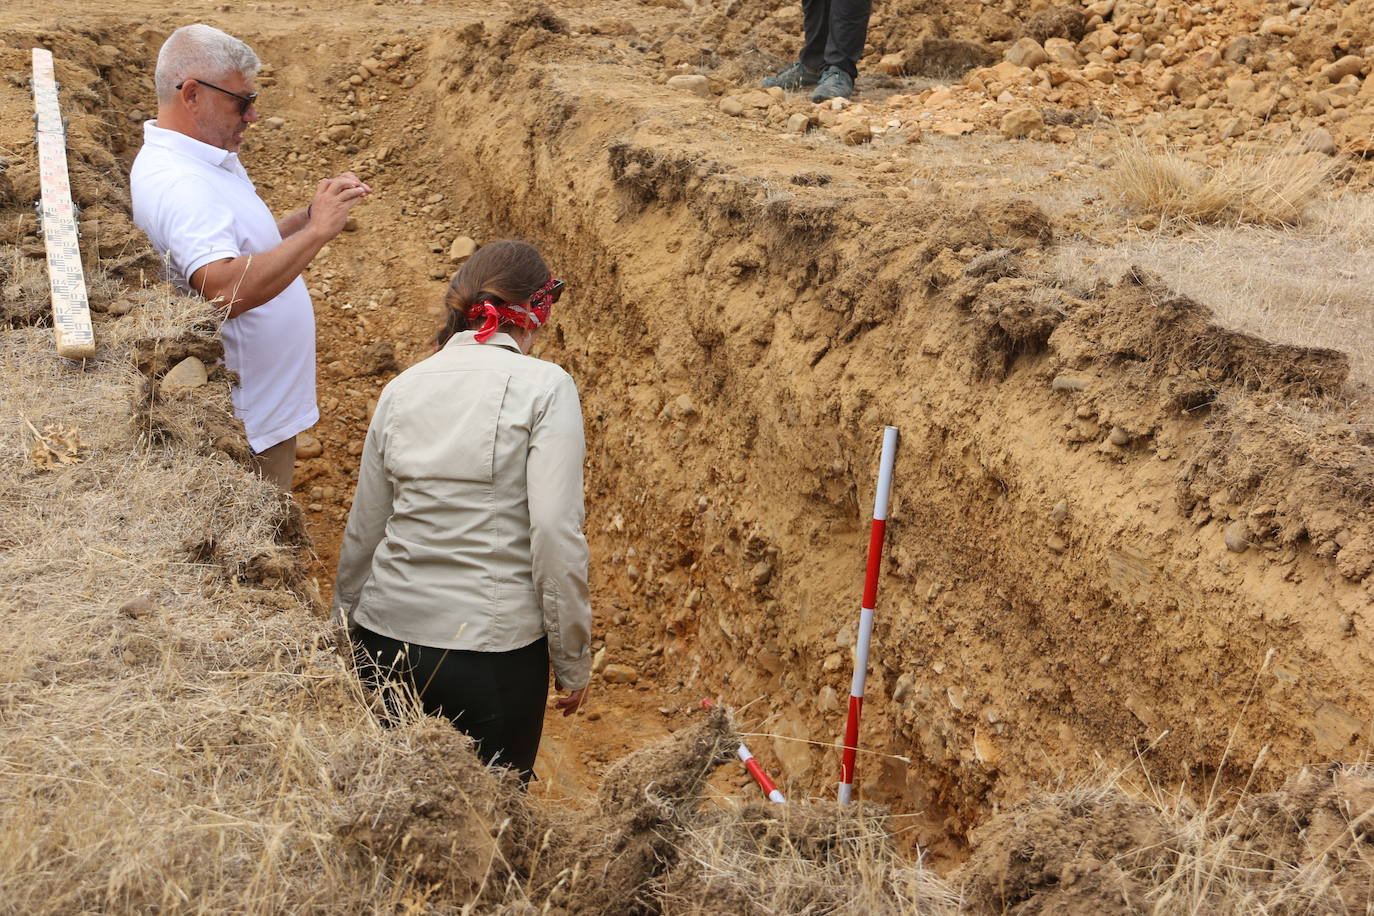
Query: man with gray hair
<point x="193" y="198"/>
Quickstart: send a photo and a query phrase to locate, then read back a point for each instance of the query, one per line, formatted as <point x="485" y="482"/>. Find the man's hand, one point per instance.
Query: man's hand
<point x="249" y="281"/>
<point x="334" y="197"/>
<point x="570" y="703"/>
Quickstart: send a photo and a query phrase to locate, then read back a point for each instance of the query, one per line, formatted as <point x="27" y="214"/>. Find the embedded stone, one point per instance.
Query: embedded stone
<point x="308" y="446"/>
<point x="1237" y="539"/>
<point x="185" y="375"/>
<point x="619" y="674"/>
<point x="462" y="247"/>
<point x="694" y="83"/>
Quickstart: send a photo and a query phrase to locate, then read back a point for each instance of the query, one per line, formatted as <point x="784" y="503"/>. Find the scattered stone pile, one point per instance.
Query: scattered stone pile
<point x="1204" y="78"/>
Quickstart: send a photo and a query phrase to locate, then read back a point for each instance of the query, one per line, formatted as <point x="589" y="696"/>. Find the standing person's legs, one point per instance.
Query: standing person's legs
<point x="278" y="463"/>
<point x="816" y="28"/>
<point x="847" y="32"/>
<point x="497" y="698"/>
<point x="519" y="680"/>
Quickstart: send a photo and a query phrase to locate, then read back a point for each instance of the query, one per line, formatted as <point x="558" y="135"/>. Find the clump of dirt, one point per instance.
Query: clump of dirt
<point x="609" y="863"/>
<point x="1303" y="848"/>
<point x="1141" y="320"/>
<point x="1067" y="22"/>
<point x="1321" y="820"/>
<point x="454" y="825"/>
<point x="1068" y="853"/>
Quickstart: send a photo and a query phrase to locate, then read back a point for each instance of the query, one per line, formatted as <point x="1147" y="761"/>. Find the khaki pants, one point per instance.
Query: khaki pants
<point x="278" y="463"/>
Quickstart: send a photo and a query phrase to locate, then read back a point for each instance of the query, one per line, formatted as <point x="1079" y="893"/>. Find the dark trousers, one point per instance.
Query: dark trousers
<point x="835" y="34"/>
<point x="497" y="698"/>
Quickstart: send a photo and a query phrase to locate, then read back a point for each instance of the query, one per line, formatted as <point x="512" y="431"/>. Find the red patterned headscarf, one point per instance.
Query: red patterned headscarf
<point x="497" y="311"/>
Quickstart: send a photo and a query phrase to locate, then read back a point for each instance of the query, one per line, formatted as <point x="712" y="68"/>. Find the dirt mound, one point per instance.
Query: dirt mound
<point x="1320" y="824"/>
<point x="609" y="862"/>
<point x="1071" y="853"/>
<point x="458" y="828"/>
<point x="1141" y="320"/>
<point x="1304" y="848"/>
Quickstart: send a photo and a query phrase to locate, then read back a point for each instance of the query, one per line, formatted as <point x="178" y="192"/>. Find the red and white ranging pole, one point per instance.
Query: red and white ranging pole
<point x="870" y="600"/>
<point x="754" y="769"/>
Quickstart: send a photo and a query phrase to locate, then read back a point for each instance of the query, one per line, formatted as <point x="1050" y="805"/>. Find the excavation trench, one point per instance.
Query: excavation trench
<point x="743" y="322"/>
<point x="1058" y="590"/>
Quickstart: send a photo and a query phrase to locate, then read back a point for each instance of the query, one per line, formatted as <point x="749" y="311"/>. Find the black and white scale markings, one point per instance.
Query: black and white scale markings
<point x="71" y="315"/>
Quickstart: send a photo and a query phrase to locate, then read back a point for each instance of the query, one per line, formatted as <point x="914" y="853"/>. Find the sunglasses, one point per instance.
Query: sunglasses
<point x="245" y="101"/>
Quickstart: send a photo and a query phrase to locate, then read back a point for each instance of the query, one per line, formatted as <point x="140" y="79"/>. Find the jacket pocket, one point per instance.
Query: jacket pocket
<point x="448" y="431"/>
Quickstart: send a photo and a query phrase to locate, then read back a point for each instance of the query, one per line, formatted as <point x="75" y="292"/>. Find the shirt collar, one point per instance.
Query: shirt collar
<point x="467" y="338"/>
<point x="178" y="142"/>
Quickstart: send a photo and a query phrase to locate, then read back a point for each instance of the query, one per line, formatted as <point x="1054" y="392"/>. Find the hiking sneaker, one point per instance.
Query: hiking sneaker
<point x="793" y="76"/>
<point x="834" y="84"/>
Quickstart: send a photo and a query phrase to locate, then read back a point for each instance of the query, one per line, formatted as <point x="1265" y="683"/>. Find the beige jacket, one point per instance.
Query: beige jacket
<point x="466" y="530"/>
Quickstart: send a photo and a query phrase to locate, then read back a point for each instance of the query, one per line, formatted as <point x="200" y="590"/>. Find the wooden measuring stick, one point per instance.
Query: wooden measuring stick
<point x="71" y="314"/>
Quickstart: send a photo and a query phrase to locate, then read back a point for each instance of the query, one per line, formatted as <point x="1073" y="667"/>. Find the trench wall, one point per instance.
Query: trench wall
<point x="1058" y="590"/>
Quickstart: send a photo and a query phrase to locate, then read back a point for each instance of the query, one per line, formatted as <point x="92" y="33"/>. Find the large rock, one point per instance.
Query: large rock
<point x="1023" y="122"/>
<point x="619" y="674"/>
<point x="1026" y="52"/>
<point x="852" y="133"/>
<point x="995" y="25"/>
<point x="377" y="358"/>
<point x="1277" y="25"/>
<point x="757" y="98"/>
<point x="1062" y="51"/>
<point x="892" y="64"/>
<point x="1346" y="66"/>
<point x="1320" y="141"/>
<point x="1356" y="134"/>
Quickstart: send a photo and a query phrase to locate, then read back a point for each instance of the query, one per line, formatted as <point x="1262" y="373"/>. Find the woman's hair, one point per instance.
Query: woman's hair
<point x="510" y="271"/>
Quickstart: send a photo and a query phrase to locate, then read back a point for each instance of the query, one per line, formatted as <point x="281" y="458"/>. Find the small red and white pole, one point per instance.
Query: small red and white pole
<point x="756" y="771"/>
<point x="870" y="600"/>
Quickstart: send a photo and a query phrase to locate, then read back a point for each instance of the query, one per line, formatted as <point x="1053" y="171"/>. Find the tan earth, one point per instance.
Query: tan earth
<point x="1132" y="533"/>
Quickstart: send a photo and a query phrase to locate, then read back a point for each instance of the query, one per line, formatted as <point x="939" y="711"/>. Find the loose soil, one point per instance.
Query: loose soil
<point x="1126" y="532"/>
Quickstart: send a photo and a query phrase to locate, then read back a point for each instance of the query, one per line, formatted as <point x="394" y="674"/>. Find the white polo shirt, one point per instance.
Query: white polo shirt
<point x="197" y="205"/>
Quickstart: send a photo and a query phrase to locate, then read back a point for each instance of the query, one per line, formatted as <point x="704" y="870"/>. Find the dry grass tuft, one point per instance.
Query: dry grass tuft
<point x="803" y="857"/>
<point x="1272" y="189"/>
<point x="170" y="730"/>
